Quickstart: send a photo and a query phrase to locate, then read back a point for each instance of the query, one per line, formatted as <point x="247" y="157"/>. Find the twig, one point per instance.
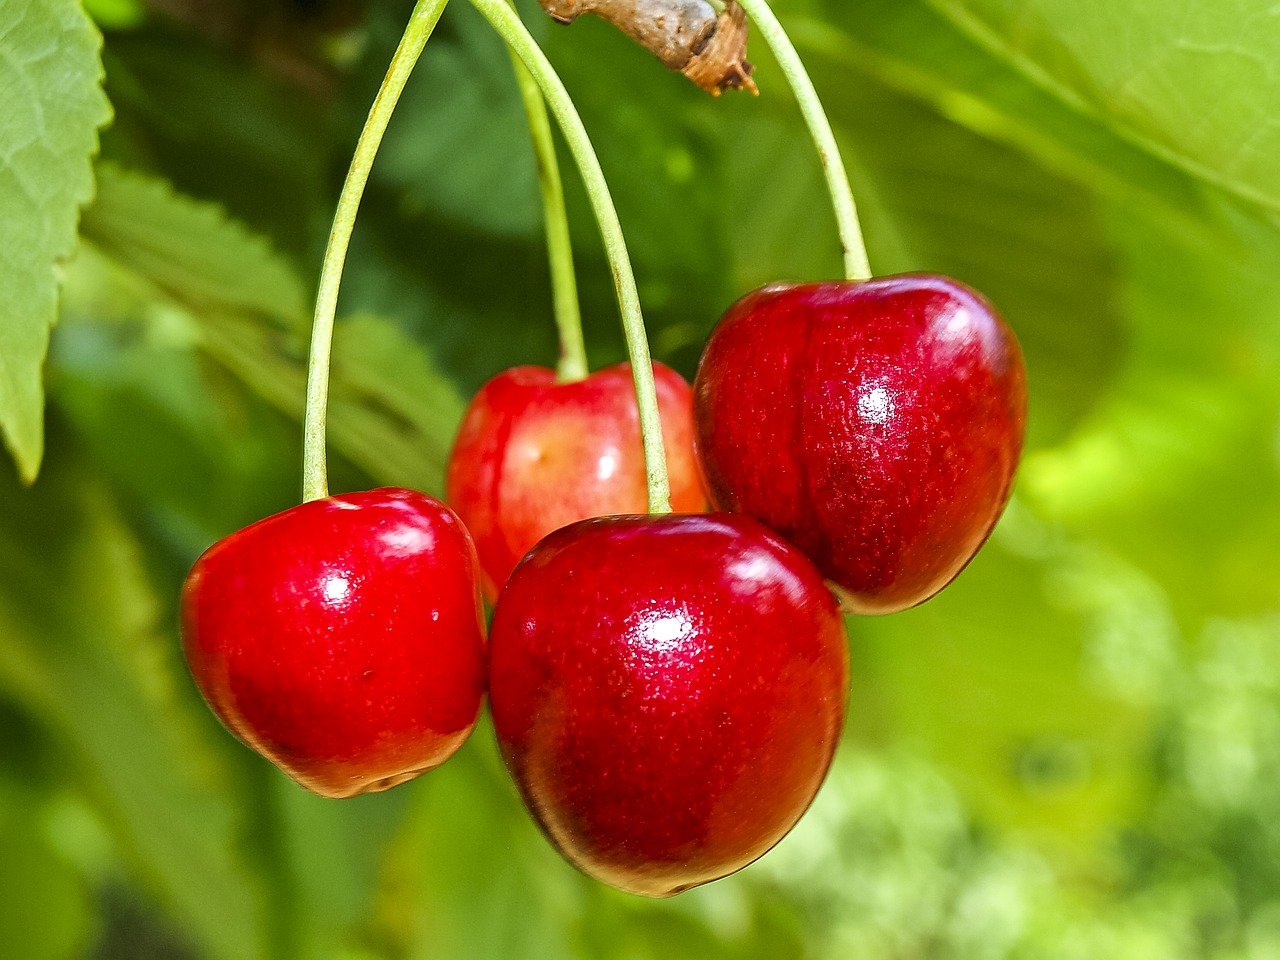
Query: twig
<point x="686" y="35"/>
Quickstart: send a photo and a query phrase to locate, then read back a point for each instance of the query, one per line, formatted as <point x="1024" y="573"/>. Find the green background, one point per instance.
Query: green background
<point x="1073" y="752"/>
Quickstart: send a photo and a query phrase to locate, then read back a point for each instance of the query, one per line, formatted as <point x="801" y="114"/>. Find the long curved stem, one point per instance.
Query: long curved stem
<point x="513" y="31"/>
<point x="856" y="264"/>
<point x="315" y="482"/>
<point x="564" y="284"/>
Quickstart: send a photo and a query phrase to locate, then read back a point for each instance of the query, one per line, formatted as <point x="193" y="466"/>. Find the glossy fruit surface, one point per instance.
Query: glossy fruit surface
<point x="342" y="639"/>
<point x="533" y="455"/>
<point x="667" y="693"/>
<point x="876" y="425"/>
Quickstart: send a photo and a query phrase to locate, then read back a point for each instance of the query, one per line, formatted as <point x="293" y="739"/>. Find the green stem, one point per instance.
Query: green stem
<point x="856" y="264"/>
<point x="513" y="31"/>
<point x="315" y="483"/>
<point x="564" y="285"/>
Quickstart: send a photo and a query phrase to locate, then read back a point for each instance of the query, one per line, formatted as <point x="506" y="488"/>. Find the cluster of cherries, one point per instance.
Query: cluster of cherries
<point x="667" y="690"/>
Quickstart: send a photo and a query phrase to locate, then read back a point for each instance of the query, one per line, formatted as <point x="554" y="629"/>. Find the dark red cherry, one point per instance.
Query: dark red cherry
<point x="667" y="694"/>
<point x="876" y="425"/>
<point x="342" y="639"/>
<point x="533" y="455"/>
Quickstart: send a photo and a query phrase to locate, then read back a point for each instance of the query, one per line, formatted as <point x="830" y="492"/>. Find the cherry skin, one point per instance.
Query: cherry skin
<point x="876" y="425"/>
<point x="667" y="693"/>
<point x="342" y="639"/>
<point x="533" y="455"/>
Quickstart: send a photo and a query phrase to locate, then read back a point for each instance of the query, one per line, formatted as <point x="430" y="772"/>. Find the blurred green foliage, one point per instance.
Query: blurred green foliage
<point x="1073" y="752"/>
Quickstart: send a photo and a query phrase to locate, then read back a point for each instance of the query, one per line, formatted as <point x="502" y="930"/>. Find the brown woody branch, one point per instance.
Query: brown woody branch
<point x="686" y="35"/>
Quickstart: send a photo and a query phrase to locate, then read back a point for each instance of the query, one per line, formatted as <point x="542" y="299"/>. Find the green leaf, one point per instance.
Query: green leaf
<point x="442" y="901"/>
<point x="186" y="440"/>
<point x="995" y="677"/>
<point x="335" y="904"/>
<point x="911" y="48"/>
<point x="115" y="14"/>
<point x="389" y="399"/>
<point x="390" y="411"/>
<point x="44" y="906"/>
<point x="1192" y="82"/>
<point x="1192" y="414"/>
<point x="191" y="249"/>
<point x="53" y="107"/>
<point x="84" y="649"/>
<point x="459" y="146"/>
<point x="218" y="122"/>
<point x="769" y="143"/>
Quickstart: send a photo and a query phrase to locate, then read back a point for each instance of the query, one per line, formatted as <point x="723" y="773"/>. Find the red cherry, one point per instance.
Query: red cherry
<point x="667" y="693"/>
<point x="533" y="455"/>
<point x="342" y="639"/>
<point x="876" y="425"/>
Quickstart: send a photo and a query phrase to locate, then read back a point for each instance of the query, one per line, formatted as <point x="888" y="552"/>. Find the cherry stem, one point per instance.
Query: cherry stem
<point x="564" y="284"/>
<point x="513" y="31"/>
<point x="315" y="482"/>
<point x="856" y="264"/>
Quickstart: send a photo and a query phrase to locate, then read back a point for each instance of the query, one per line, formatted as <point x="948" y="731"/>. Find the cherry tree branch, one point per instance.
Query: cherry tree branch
<point x="686" y="35"/>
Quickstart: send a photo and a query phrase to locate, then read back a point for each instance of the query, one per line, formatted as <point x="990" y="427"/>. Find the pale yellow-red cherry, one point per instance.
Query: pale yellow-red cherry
<point x="533" y="455"/>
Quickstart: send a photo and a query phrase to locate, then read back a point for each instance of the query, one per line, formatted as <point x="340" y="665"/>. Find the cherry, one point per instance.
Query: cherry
<point x="533" y="455"/>
<point x="877" y="425"/>
<point x="667" y="693"/>
<point x="342" y="639"/>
